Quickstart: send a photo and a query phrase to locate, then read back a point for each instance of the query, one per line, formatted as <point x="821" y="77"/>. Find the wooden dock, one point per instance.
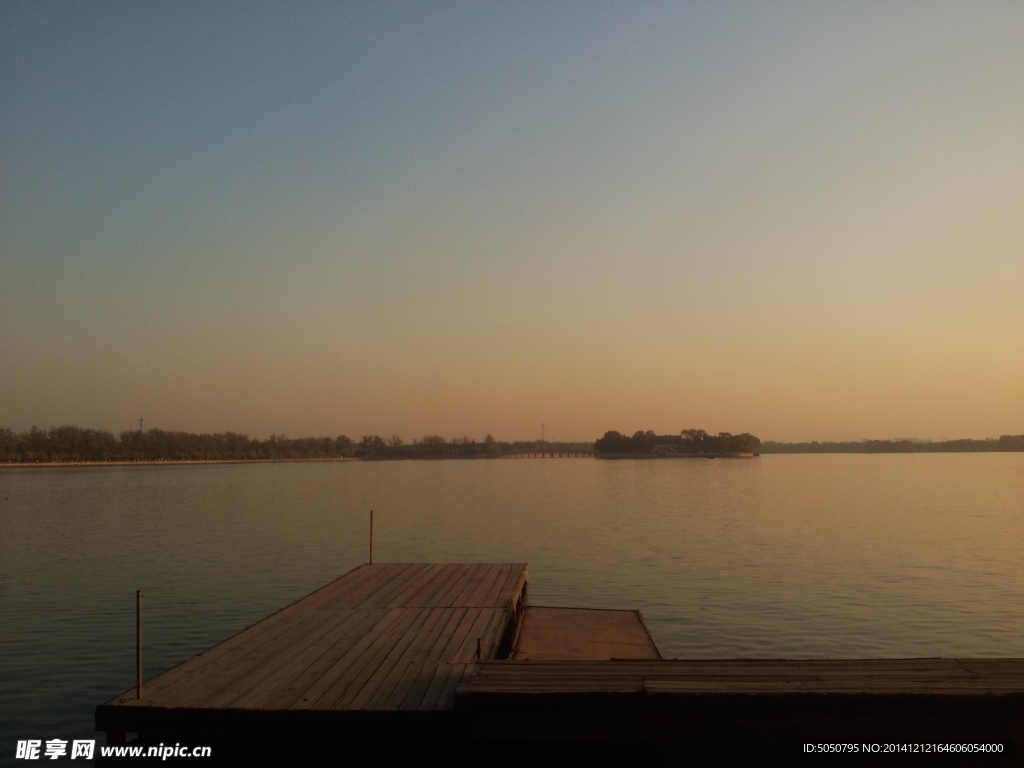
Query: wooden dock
<point x="581" y="634"/>
<point x="760" y="701"/>
<point x="421" y="652"/>
<point x="390" y="637"/>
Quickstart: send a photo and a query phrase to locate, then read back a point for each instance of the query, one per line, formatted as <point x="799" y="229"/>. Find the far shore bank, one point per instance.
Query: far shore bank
<point x="163" y="462"/>
<point x="660" y="456"/>
<point x="183" y="462"/>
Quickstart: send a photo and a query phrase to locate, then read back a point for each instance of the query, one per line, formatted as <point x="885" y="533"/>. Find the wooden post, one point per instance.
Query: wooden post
<point x="371" y="537"/>
<point x="138" y="644"/>
<point x="479" y="650"/>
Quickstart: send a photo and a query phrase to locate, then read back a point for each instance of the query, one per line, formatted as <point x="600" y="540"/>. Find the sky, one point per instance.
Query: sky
<point x="801" y="220"/>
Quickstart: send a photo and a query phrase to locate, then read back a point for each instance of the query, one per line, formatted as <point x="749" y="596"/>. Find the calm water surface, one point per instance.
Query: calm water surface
<point x="775" y="557"/>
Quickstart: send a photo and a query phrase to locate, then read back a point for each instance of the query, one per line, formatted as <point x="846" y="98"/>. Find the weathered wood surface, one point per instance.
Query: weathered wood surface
<point x="390" y="636"/>
<point x="582" y="634"/>
<point x="389" y="652"/>
<point x="944" y="677"/>
<point x="746" y="704"/>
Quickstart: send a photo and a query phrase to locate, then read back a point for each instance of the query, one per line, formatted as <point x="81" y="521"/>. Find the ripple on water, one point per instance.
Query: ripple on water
<point x="780" y="557"/>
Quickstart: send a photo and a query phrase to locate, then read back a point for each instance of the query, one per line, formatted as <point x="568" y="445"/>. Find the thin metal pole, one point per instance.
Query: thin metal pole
<point x="371" y="537"/>
<point x="138" y="644"/>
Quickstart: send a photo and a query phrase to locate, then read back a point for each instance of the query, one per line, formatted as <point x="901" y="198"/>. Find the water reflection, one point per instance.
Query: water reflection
<point x="778" y="557"/>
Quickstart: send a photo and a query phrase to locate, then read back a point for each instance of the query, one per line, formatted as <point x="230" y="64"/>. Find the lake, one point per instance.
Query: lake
<point x="799" y="556"/>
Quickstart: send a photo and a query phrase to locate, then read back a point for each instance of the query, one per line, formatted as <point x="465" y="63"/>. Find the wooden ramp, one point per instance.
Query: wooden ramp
<point x="747" y="701"/>
<point x="382" y="637"/>
<point x="582" y="634"/>
<point x="706" y="679"/>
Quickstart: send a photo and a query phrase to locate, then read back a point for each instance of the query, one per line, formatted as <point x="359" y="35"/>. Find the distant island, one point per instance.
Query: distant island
<point x="72" y="445"/>
<point x="688" y="443"/>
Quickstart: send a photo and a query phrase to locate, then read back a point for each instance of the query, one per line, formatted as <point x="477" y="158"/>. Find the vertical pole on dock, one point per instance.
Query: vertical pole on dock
<point x="371" y="537"/>
<point x="479" y="650"/>
<point x="138" y="644"/>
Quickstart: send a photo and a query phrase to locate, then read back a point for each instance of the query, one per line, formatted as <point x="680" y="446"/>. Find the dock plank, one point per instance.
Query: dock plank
<point x="293" y="684"/>
<point x="868" y="676"/>
<point x="423" y="579"/>
<point x="473" y="593"/>
<point x="466" y="651"/>
<point x="376" y="670"/>
<point x="446" y="668"/>
<point x="488" y="580"/>
<point x="483" y="626"/>
<point x="576" y="634"/>
<point x="512" y="587"/>
<point x="352" y="665"/>
<point x="405" y="671"/>
<point x="306" y="663"/>
<point x="425" y="595"/>
<point x="460" y="591"/>
<point x="411" y="688"/>
<point x="231" y="651"/>
<point x="389" y="594"/>
<point x="249" y="655"/>
<point x="374" y="638"/>
<point x="224" y="684"/>
<point x="491" y="596"/>
<point x="432" y="699"/>
<point x="312" y="630"/>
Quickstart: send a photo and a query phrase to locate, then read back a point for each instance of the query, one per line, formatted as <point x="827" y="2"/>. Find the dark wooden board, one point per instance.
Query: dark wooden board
<point x="968" y="677"/>
<point x="381" y="637"/>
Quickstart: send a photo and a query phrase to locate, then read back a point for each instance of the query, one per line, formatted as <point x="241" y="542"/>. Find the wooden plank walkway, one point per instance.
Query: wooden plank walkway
<point x="396" y="636"/>
<point x="747" y="704"/>
<point x="582" y="634"/>
<point x="388" y="654"/>
<point x="950" y="677"/>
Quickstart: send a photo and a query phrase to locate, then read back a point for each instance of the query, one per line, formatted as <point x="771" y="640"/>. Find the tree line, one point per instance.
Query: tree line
<point x="76" y="444"/>
<point x="1004" y="443"/>
<point x="689" y="442"/>
<point x="436" y="447"/>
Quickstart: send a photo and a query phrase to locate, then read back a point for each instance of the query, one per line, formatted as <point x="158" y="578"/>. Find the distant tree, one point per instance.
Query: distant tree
<point x="433" y="445"/>
<point x="8" y="445"/>
<point x="689" y="441"/>
<point x="613" y="442"/>
<point x="1011" y="442"/>
<point x="371" y="446"/>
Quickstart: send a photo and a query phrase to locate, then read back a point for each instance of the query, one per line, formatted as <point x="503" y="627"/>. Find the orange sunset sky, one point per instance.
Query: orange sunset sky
<point x="801" y="220"/>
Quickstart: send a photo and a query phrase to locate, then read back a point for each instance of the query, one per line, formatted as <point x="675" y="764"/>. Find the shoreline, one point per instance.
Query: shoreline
<point x="659" y="456"/>
<point x="161" y="462"/>
<point x="606" y="457"/>
<point x="190" y="462"/>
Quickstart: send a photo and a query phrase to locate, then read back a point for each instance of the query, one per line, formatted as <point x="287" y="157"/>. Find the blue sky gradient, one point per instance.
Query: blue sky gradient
<point x="802" y="220"/>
